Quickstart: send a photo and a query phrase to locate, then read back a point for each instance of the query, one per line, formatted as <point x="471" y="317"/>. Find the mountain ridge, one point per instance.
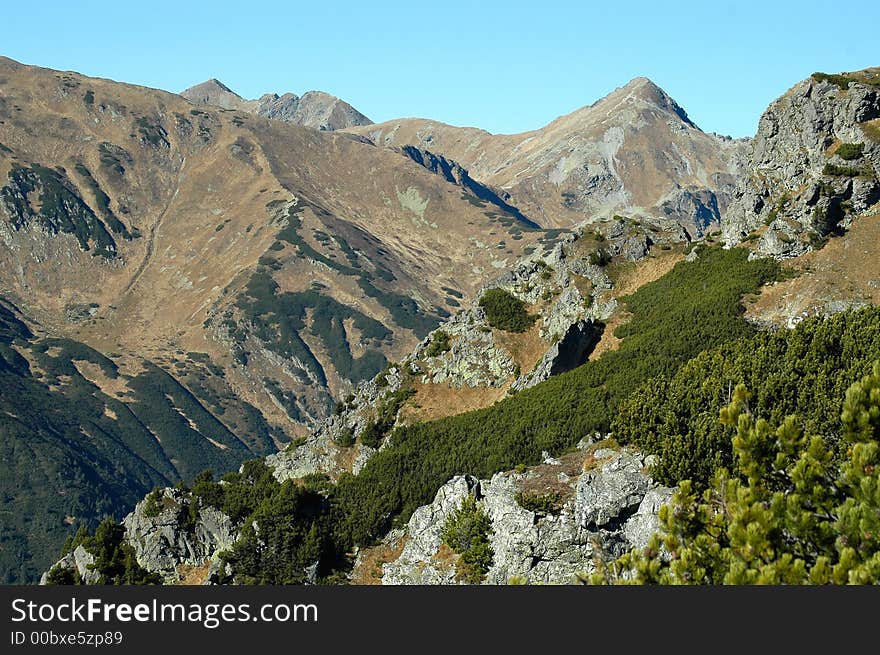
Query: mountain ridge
<point x="314" y="109"/>
<point x="634" y="152"/>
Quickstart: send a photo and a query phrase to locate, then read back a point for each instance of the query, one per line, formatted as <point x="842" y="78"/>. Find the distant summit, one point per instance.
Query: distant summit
<point x="315" y="109"/>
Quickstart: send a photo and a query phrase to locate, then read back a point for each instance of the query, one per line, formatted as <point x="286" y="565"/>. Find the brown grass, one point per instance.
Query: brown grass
<point x="525" y="348"/>
<point x="846" y="268"/>
<point x="435" y="401"/>
<point x="369" y="568"/>
<point x="628" y="278"/>
<point x="193" y="575"/>
<point x="444" y="558"/>
<point x="872" y="130"/>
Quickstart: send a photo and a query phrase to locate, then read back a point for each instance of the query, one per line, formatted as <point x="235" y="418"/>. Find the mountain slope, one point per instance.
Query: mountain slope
<point x="814" y="165"/>
<point x="83" y="435"/>
<point x="241" y="274"/>
<point x="314" y="109"/>
<point x="635" y="152"/>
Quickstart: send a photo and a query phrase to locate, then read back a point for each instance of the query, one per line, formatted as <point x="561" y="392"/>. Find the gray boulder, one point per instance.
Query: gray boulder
<point x="177" y="534"/>
<point x="604" y="513"/>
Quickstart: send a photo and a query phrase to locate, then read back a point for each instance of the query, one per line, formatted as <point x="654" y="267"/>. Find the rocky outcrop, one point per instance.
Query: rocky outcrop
<point x="79" y="561"/>
<point x="332" y="448"/>
<point x="315" y="109"/>
<point x="474" y="358"/>
<point x="565" y="354"/>
<point x="811" y="169"/>
<point x="604" y="511"/>
<point x="167" y="530"/>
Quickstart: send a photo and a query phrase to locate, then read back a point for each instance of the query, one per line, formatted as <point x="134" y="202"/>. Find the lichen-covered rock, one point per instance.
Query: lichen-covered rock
<point x="180" y="533"/>
<point x="418" y="562"/>
<point x="797" y="183"/>
<point x="328" y="449"/>
<point x="607" y="497"/>
<point x="79" y="560"/>
<point x="605" y="512"/>
<point x="474" y="359"/>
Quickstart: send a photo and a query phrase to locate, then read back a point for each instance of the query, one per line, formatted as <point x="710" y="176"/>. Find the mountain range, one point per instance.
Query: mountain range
<point x="314" y="109"/>
<point x="196" y="280"/>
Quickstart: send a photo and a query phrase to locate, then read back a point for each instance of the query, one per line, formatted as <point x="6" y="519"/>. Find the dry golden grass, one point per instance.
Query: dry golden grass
<point x="435" y="401"/>
<point x="525" y="348"/>
<point x="193" y="575"/>
<point x="369" y="568"/>
<point x="845" y="268"/>
<point x="628" y="278"/>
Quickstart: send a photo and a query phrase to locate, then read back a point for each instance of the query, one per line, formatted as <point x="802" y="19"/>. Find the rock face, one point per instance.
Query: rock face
<point x="178" y="534"/>
<point x="315" y="109"/>
<point x="81" y="561"/>
<point x="167" y="532"/>
<point x="331" y="448"/>
<point x="812" y="167"/>
<point x="605" y="512"/>
<point x="634" y="152"/>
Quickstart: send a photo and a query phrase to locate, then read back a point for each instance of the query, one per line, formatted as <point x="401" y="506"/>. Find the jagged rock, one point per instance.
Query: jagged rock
<point x="174" y="537"/>
<point x="417" y="563"/>
<point x="605" y="499"/>
<point x="644" y="523"/>
<point x="474" y="358"/>
<point x="797" y="185"/>
<point x="81" y="561"/>
<point x="324" y="449"/>
<point x="608" y="511"/>
<point x="567" y="353"/>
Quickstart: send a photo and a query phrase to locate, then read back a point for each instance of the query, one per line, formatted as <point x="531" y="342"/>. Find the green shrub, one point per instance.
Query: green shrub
<point x="467" y="532"/>
<point x="541" y="504"/>
<point x="505" y="311"/>
<point x="115" y="559"/>
<point x="600" y="257"/>
<point x="439" y="344"/>
<point x="804" y="371"/>
<point x="850" y="151"/>
<point x="372" y="434"/>
<point x="152" y="507"/>
<point x="842" y="81"/>
<point x="344" y="438"/>
<point x="790" y="511"/>
<point x="841" y="171"/>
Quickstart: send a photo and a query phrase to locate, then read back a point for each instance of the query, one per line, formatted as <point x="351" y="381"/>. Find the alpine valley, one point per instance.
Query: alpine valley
<point x="268" y="341"/>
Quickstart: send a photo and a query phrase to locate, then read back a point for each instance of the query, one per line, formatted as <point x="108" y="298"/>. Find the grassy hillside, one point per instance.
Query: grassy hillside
<point x="73" y="451"/>
<point x="694" y="307"/>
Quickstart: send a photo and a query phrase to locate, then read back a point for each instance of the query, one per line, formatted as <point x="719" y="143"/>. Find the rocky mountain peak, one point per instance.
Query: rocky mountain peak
<point x="213" y="92"/>
<point x="815" y="162"/>
<point x="644" y="90"/>
<point x="315" y="109"/>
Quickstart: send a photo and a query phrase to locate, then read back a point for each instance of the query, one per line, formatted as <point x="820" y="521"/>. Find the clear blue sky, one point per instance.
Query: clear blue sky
<point x="503" y="66"/>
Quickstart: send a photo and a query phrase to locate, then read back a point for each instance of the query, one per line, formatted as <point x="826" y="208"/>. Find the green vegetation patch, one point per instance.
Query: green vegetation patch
<point x="505" y="311"/>
<point x="439" y="344"/>
<point x="541" y="504"/>
<point x="60" y="210"/>
<point x="836" y="170"/>
<point x="850" y="151"/>
<point x="843" y="80"/>
<point x="278" y="319"/>
<point x="790" y="511"/>
<point x="805" y="371"/>
<point x="467" y="532"/>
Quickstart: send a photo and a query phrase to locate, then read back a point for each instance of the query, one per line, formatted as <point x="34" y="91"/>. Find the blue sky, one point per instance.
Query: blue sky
<point x="503" y="66"/>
